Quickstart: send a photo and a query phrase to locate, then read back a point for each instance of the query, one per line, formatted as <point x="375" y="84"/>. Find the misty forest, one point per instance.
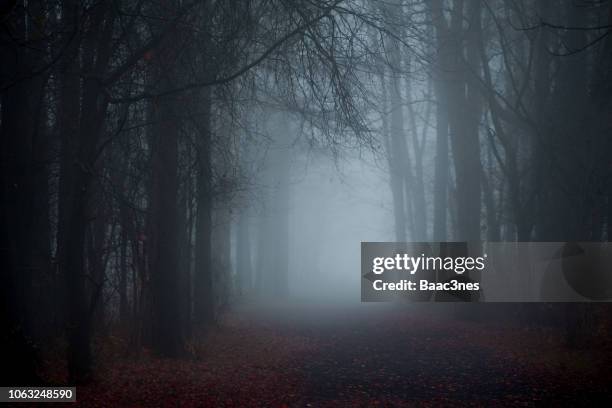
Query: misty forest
<point x="185" y="185"/>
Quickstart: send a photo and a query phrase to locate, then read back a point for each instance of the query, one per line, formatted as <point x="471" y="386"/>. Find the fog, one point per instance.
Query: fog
<point x="336" y="203"/>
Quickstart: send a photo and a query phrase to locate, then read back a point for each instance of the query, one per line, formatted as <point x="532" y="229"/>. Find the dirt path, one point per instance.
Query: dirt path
<point x="362" y="356"/>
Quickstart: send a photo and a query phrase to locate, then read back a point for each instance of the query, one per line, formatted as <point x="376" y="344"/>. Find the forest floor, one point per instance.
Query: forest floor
<point x="367" y="355"/>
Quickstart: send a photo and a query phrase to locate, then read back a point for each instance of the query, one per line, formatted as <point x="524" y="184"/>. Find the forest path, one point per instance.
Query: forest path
<point x="393" y="356"/>
<point x="364" y="355"/>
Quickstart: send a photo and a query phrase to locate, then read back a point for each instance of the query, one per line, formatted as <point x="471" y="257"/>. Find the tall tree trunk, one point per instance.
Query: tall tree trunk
<point x="72" y="203"/>
<point x="244" y="251"/>
<point x="442" y="168"/>
<point x="441" y="171"/>
<point x="417" y="193"/>
<point x="281" y="288"/>
<point x="221" y="243"/>
<point x="464" y="119"/>
<point x="395" y="174"/>
<point x="399" y="148"/>
<point x="164" y="252"/>
<point x="123" y="268"/>
<point x="609" y="213"/>
<point x="244" y="268"/>
<point x="543" y="130"/>
<point x="203" y="286"/>
<point x="184" y="263"/>
<point x="124" y="241"/>
<point x="24" y="241"/>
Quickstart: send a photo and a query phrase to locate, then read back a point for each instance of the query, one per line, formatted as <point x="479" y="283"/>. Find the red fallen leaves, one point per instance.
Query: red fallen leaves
<point x="170" y="383"/>
<point x="238" y="366"/>
<point x="255" y="361"/>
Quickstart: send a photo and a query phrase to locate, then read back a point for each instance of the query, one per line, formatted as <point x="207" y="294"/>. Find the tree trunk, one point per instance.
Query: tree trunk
<point x="24" y="244"/>
<point x="244" y="267"/>
<point x="399" y="150"/>
<point x="442" y="169"/>
<point x="395" y="174"/>
<point x="464" y="118"/>
<point x="184" y="263"/>
<point x="163" y="254"/>
<point x="203" y="289"/>
<point x="123" y="271"/>
<point x="418" y="189"/>
<point x="72" y="205"/>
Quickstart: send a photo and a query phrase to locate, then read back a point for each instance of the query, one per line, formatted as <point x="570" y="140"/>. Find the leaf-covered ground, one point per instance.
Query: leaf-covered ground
<point x="361" y="356"/>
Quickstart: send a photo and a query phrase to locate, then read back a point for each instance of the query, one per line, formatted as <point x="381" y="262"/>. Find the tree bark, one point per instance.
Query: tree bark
<point x="203" y="284"/>
<point x="442" y="159"/>
<point x="163" y="254"/>
<point x="244" y="266"/>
